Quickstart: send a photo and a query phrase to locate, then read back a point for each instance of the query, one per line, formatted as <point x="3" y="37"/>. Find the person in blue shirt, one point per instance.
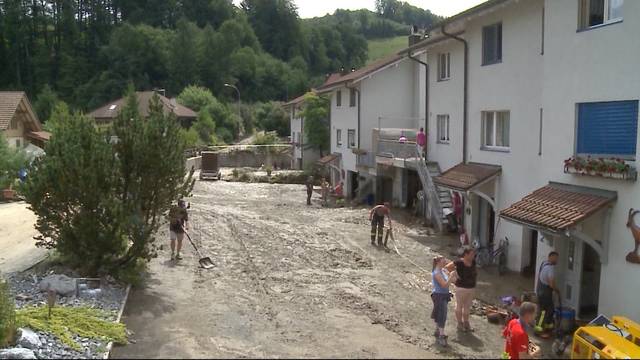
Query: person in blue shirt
<point x="441" y="296"/>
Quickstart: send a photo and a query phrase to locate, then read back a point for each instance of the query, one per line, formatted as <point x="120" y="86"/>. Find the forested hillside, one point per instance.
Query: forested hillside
<point x="86" y="52"/>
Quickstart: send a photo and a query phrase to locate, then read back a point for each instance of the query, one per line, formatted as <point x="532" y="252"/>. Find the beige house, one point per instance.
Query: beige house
<point x="18" y="122"/>
<point x="105" y="114"/>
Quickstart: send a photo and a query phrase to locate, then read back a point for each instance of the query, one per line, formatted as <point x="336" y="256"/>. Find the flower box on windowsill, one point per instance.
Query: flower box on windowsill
<point x="612" y="168"/>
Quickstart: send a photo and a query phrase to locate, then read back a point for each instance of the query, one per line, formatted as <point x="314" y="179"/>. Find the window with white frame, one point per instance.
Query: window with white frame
<point x="339" y="137"/>
<point x="599" y="12"/>
<point x="352" y="97"/>
<point x="495" y="130"/>
<point x="492" y="44"/>
<point x="339" y="98"/>
<point x="443" y="129"/>
<point x="351" y="138"/>
<point x="444" y="66"/>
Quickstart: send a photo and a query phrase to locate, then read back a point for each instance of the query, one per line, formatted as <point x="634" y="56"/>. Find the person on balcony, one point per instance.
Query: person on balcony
<point x="421" y="140"/>
<point x="402" y="139"/>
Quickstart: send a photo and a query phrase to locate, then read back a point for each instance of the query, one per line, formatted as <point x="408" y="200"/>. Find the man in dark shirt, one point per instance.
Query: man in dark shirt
<point x="309" y="185"/>
<point x="376" y="216"/>
<point x="178" y="223"/>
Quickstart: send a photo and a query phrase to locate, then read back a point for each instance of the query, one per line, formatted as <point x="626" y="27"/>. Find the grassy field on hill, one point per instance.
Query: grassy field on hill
<point x="379" y="48"/>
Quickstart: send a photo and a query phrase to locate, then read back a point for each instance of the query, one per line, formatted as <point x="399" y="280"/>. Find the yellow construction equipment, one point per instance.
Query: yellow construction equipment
<point x="617" y="339"/>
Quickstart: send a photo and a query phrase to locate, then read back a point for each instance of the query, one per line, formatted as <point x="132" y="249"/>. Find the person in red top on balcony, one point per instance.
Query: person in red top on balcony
<point x="517" y="344"/>
<point x="421" y="140"/>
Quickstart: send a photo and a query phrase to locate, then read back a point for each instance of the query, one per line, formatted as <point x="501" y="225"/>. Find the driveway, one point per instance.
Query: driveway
<point x="17" y="246"/>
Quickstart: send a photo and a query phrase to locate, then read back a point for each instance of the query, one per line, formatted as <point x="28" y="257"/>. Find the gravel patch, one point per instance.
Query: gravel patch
<point x="109" y="298"/>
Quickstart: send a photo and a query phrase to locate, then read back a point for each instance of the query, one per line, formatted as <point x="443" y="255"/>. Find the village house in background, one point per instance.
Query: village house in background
<point x="18" y="121"/>
<point x="105" y="114"/>
<point x="304" y="155"/>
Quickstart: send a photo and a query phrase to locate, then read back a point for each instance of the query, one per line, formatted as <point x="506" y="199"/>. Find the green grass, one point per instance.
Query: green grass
<point x="379" y="48"/>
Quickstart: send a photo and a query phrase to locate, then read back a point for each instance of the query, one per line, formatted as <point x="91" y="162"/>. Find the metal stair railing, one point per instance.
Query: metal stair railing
<point x="433" y="206"/>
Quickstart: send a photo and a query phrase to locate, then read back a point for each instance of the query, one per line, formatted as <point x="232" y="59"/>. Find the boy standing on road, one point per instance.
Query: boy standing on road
<point x="178" y="223"/>
<point x="376" y="216"/>
<point x="515" y="334"/>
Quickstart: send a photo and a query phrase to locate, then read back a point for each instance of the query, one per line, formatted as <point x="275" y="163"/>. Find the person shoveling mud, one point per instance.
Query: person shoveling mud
<point x="376" y="216"/>
<point x="178" y="223"/>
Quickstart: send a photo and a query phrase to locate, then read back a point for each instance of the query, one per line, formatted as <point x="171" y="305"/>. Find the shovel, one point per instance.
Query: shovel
<point x="206" y="261"/>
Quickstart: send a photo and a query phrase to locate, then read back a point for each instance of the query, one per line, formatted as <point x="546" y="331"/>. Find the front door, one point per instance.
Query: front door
<point x="572" y="268"/>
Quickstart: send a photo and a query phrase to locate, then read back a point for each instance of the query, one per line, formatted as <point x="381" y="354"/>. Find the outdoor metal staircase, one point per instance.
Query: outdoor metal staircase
<point x="437" y="199"/>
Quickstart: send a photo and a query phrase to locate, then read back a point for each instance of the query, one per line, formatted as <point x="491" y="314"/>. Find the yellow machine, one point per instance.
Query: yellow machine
<point x="617" y="339"/>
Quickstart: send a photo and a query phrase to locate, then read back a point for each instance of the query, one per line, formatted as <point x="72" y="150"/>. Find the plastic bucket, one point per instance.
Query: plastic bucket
<point x="567" y="318"/>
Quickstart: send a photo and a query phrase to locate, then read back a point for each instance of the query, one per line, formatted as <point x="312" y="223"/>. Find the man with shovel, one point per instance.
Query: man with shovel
<point x="178" y="223"/>
<point x="376" y="216"/>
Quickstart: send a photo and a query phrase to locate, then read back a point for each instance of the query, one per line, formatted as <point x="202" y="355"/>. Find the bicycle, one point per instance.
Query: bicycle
<point x="485" y="256"/>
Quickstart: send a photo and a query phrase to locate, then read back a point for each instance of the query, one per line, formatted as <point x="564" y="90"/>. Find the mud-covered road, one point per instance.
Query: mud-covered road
<point x="291" y="281"/>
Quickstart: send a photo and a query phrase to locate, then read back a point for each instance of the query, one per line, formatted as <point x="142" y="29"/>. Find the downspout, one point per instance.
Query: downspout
<point x="426" y="91"/>
<point x="465" y="116"/>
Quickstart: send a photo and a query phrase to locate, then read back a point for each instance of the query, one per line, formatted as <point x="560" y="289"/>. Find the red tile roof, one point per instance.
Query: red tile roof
<point x="557" y="206"/>
<point x="465" y="176"/>
<point x="336" y="79"/>
<point x="10" y="102"/>
<point x="112" y="109"/>
<point x="327" y="159"/>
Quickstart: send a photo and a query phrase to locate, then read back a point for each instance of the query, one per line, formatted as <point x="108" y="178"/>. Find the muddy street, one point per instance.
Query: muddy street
<point x="291" y="281"/>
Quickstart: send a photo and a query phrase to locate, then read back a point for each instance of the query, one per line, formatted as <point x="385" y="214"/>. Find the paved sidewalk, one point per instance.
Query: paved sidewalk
<point x="17" y="246"/>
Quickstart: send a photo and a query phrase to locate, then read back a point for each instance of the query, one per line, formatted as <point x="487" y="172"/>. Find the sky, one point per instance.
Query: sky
<point x="312" y="8"/>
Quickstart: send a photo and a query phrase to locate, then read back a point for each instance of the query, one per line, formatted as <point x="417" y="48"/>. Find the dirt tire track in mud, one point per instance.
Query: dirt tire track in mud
<point x="290" y="281"/>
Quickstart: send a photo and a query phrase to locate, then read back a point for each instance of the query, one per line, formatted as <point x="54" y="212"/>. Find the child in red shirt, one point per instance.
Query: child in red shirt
<point x="515" y="334"/>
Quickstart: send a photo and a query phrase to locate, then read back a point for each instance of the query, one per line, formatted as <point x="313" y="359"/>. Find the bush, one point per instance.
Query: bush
<point x="100" y="197"/>
<point x="268" y="138"/>
<point x="7" y="316"/>
<point x="235" y="173"/>
<point x="11" y="161"/>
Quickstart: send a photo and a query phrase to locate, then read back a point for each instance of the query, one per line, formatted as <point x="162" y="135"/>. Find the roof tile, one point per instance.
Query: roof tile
<point x="466" y="176"/>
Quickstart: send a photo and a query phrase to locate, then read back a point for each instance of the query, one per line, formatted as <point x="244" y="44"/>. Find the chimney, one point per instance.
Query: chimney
<point x="353" y="69"/>
<point x="415" y="35"/>
<point x="342" y="71"/>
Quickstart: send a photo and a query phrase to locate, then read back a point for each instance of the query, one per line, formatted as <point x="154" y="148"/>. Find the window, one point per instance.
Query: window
<point x="443" y="129"/>
<point x="608" y="129"/>
<point x="14" y="123"/>
<point x="492" y="44"/>
<point x="339" y="137"/>
<point x="444" y="66"/>
<point x="352" y="97"/>
<point x="495" y="130"/>
<point x="351" y="138"/>
<point x="599" y="12"/>
<point x="339" y="98"/>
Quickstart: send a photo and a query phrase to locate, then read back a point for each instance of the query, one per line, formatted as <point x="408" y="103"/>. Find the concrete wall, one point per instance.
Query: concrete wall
<point x="296" y="128"/>
<point x="344" y="118"/>
<point x="515" y="85"/>
<point x="446" y="98"/>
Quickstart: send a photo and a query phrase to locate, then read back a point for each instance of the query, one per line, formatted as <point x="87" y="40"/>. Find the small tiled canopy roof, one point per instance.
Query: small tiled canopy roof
<point x="558" y="207"/>
<point x="327" y="159"/>
<point x="112" y="109"/>
<point x="40" y="135"/>
<point x="463" y="177"/>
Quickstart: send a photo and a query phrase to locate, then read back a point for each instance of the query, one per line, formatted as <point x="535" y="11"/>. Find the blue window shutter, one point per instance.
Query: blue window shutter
<point x="608" y="128"/>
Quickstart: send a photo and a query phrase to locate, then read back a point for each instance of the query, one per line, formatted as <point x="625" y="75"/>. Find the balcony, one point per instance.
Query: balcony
<point x="612" y="168"/>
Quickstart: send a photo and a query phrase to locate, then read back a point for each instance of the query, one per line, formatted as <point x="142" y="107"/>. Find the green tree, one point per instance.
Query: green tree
<point x="11" y="161"/>
<point x="205" y="128"/>
<point x="7" y="315"/>
<point x="271" y="116"/>
<point x="45" y="102"/>
<point x="196" y="97"/>
<point x="100" y="197"/>
<point x="183" y="55"/>
<point x="189" y="137"/>
<point x="316" y="121"/>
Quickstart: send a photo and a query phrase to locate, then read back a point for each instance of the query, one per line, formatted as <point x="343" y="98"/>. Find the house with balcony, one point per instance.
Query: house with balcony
<point x="372" y="108"/>
<point x="532" y="114"/>
<point x="19" y="124"/>
<point x="304" y="155"/>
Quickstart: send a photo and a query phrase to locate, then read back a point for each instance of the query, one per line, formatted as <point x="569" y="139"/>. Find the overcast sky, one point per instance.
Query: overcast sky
<point x="312" y="8"/>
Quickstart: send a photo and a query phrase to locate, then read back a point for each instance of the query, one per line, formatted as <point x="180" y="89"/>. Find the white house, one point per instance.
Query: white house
<point x="381" y="95"/>
<point x="515" y="88"/>
<point x="304" y="155"/>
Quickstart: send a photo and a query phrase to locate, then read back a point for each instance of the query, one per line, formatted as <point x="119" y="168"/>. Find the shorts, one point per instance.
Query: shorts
<point x="176" y="235"/>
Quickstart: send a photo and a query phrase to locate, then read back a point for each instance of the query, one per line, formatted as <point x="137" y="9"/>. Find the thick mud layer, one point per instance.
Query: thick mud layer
<point x="292" y="280"/>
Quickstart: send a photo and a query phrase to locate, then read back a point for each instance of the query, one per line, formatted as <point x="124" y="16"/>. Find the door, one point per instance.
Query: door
<point x="572" y="268"/>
